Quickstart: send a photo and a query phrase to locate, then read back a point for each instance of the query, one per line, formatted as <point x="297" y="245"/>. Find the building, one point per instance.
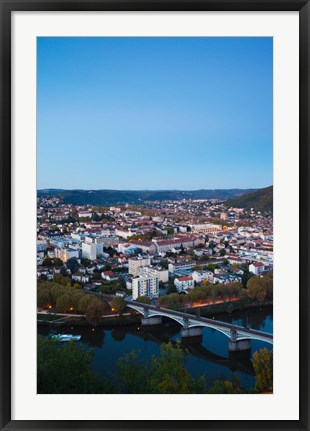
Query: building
<point x="205" y="227"/>
<point x="107" y="241"/>
<point x="181" y="266"/>
<point x="135" y="263"/>
<point x="257" y="268"/>
<point x="41" y="245"/>
<point x="145" y="246"/>
<point x="200" y="276"/>
<point x="145" y="286"/>
<point x="155" y="271"/>
<point x="227" y="278"/>
<point x="109" y="275"/>
<point x="164" y="245"/>
<point x="85" y="214"/>
<point x="66" y="253"/>
<point x="184" y="283"/>
<point x="89" y="250"/>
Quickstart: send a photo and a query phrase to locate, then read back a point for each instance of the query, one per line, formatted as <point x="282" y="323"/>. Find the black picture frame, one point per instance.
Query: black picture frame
<point x="7" y="7"/>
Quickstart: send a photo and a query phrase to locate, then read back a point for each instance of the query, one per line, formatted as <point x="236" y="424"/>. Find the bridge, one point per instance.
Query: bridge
<point x="239" y="337"/>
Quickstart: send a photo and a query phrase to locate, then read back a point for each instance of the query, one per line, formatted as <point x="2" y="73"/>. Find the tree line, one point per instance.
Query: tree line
<point x="163" y="374"/>
<point x="69" y="299"/>
<point x="258" y="289"/>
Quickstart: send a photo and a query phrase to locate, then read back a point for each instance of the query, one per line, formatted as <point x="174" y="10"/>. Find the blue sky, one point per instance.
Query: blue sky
<point x="154" y="113"/>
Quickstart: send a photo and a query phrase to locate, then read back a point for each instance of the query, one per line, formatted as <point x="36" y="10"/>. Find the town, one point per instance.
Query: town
<point x="173" y="254"/>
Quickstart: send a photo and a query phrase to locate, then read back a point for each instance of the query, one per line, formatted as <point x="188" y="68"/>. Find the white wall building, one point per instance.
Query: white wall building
<point x="257" y="268"/>
<point x="199" y="276"/>
<point x="89" y="251"/>
<point x="85" y="214"/>
<point x="135" y="263"/>
<point x="184" y="283"/>
<point x="173" y="267"/>
<point x="145" y="286"/>
<point x="41" y="245"/>
<point x="66" y="253"/>
<point x="161" y="273"/>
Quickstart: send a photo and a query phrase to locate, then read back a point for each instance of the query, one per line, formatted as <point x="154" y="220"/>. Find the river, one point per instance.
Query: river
<point x="209" y="357"/>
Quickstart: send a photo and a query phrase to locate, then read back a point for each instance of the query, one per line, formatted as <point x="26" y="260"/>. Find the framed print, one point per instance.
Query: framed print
<point x="154" y="215"/>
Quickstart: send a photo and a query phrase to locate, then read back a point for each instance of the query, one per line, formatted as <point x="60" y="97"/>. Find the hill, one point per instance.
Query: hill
<point x="260" y="200"/>
<point x="112" y="197"/>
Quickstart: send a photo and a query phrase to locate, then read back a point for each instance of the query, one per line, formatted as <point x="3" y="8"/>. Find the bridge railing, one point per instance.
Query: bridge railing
<point x="242" y="332"/>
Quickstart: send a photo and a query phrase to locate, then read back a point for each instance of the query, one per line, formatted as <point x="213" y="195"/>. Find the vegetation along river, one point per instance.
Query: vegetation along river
<point x="209" y="357"/>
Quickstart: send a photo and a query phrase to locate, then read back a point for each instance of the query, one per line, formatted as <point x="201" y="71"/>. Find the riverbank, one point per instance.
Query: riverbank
<point x="226" y="308"/>
<point x="130" y="319"/>
<point x="81" y="321"/>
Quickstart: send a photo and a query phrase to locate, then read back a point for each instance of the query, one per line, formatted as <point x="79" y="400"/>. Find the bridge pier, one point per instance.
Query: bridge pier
<point x="195" y="331"/>
<point x="152" y="320"/>
<point x="239" y="345"/>
<point x="236" y="345"/>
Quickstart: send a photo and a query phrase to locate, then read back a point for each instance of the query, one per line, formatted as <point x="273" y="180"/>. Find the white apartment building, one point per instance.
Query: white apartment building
<point x="184" y="283"/>
<point x="77" y="236"/>
<point x="174" y="267"/>
<point x="200" y="276"/>
<point x="85" y="214"/>
<point x="161" y="273"/>
<point x="145" y="286"/>
<point x="257" y="268"/>
<point x="123" y="233"/>
<point x="41" y="245"/>
<point x="66" y="253"/>
<point x="89" y="250"/>
<point x="205" y="227"/>
<point x="135" y="263"/>
<point x="107" y="241"/>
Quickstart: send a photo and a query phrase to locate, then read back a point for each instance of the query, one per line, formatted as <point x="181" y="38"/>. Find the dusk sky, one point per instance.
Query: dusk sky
<point x="154" y="113"/>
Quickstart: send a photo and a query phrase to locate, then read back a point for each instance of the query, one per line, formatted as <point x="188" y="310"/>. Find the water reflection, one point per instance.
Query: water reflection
<point x="208" y="356"/>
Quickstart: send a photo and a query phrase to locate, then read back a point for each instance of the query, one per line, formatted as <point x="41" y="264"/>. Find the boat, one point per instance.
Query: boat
<point x="66" y="337"/>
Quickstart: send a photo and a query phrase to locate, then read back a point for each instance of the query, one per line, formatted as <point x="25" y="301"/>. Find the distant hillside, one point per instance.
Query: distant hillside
<point x="112" y="197"/>
<point x="260" y="200"/>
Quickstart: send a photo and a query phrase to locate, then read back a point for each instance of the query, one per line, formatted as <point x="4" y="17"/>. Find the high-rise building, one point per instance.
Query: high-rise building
<point x="66" y="253"/>
<point x="145" y="286"/>
<point x="161" y="273"/>
<point x="89" y="250"/>
<point x="135" y="263"/>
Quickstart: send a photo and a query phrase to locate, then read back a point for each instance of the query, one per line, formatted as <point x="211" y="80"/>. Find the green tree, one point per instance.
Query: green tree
<point x="226" y="386"/>
<point x="58" y="262"/>
<point x="72" y="264"/>
<point x="118" y="304"/>
<point x="85" y="261"/>
<point x="170" y="231"/>
<point x="47" y="262"/>
<point x="43" y="298"/>
<point x="84" y="301"/>
<point x="171" y="286"/>
<point x="143" y="299"/>
<point x="94" y="311"/>
<point x="263" y="367"/>
<point x="212" y="266"/>
<point x="66" y="369"/>
<point x="257" y="288"/>
<point x="63" y="271"/>
<point x="64" y="303"/>
<point x="165" y="374"/>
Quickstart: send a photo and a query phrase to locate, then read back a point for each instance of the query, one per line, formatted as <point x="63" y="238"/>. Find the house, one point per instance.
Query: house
<point x="109" y="275"/>
<point x="227" y="278"/>
<point x="257" y="268"/>
<point x="80" y="277"/>
<point x="184" y="283"/>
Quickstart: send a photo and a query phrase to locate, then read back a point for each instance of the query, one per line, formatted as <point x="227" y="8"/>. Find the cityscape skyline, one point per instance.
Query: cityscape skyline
<point x="154" y="113"/>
